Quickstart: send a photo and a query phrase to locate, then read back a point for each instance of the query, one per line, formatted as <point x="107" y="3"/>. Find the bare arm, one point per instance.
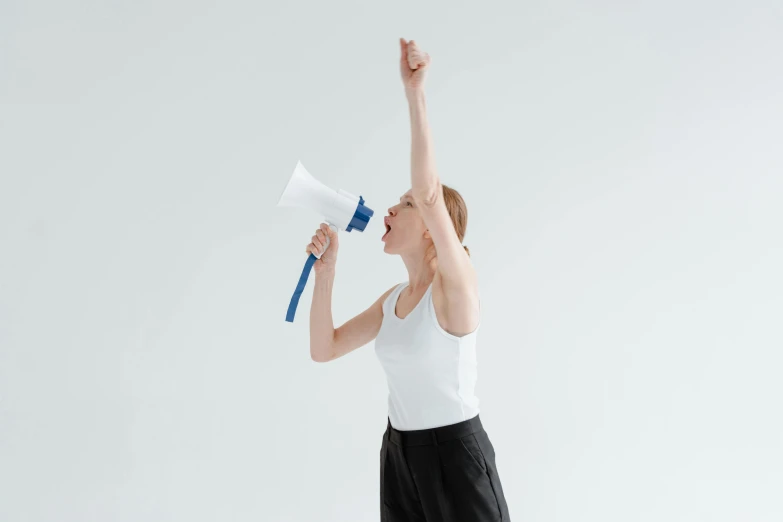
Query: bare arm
<point x="455" y="275"/>
<point x="455" y="270"/>
<point x="328" y="343"/>
<point x="454" y="267"/>
<point x="321" y="325"/>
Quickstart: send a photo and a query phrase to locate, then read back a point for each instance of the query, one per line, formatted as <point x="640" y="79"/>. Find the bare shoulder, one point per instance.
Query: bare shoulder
<point x="385" y="296"/>
<point x="359" y="330"/>
<point x="375" y="311"/>
<point x="456" y="305"/>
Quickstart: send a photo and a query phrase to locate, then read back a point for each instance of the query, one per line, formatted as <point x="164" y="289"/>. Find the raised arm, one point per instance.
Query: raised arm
<point x="454" y="266"/>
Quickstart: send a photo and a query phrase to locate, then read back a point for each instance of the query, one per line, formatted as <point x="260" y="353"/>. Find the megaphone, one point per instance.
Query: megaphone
<point x="340" y="209"/>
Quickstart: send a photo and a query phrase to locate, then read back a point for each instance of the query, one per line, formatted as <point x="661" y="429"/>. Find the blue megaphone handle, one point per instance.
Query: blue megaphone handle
<point x="289" y="316"/>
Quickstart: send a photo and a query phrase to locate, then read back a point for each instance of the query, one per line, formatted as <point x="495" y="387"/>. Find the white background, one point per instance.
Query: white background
<point x="621" y="163"/>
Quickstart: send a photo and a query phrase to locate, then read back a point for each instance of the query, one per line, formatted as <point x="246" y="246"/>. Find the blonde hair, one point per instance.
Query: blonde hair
<point x="458" y="212"/>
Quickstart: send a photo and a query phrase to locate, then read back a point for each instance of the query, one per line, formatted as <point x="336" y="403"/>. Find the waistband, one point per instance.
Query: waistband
<point x="433" y="436"/>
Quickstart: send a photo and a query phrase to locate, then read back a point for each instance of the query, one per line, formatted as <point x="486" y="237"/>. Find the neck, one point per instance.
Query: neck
<point x="421" y="270"/>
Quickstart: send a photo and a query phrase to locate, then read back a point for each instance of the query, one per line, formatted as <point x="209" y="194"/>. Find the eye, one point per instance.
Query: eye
<point x="408" y="203"/>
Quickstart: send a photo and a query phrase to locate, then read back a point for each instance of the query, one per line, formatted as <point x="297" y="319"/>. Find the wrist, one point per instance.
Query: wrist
<point x="327" y="273"/>
<point x="414" y="93"/>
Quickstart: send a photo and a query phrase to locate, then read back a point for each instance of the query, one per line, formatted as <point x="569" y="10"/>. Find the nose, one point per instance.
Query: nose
<point x="392" y="210"/>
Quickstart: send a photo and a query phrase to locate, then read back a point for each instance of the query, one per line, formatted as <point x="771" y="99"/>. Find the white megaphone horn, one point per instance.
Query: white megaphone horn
<point x="339" y="208"/>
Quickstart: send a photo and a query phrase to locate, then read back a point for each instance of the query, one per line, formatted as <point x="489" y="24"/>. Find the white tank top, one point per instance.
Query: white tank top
<point x="431" y="373"/>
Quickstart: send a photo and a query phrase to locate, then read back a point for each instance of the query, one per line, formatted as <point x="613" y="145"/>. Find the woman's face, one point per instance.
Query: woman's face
<point x="407" y="227"/>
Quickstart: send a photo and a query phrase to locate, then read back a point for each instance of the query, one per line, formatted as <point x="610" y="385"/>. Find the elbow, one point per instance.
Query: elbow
<point x="319" y="356"/>
<point x="427" y="198"/>
<point x="322" y="352"/>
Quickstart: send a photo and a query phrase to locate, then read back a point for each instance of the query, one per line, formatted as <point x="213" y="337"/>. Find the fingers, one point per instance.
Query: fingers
<point x="415" y="56"/>
<point x="315" y="245"/>
<point x="328" y="230"/>
<point x="418" y="59"/>
<point x="409" y="51"/>
<point x="312" y="248"/>
<point x="318" y="241"/>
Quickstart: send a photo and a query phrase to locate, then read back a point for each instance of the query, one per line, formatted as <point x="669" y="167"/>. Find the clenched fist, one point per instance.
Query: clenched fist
<point x="414" y="64"/>
<point x="328" y="259"/>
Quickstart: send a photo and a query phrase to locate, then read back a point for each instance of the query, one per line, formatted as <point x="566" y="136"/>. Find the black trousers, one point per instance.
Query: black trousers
<point x="443" y="474"/>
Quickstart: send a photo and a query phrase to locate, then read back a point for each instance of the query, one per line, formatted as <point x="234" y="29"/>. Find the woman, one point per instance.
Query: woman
<point x="437" y="462"/>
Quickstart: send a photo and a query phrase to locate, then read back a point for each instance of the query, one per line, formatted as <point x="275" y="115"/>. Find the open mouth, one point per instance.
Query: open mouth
<point x="388" y="229"/>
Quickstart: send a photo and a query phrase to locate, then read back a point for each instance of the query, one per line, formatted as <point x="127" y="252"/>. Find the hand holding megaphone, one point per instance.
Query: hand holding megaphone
<point x="340" y="209"/>
<point x="320" y="247"/>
